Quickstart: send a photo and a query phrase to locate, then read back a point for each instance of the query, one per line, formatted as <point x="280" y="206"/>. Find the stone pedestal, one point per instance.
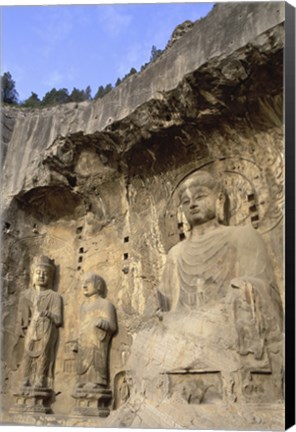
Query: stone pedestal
<point x="92" y="402"/>
<point x="32" y="400"/>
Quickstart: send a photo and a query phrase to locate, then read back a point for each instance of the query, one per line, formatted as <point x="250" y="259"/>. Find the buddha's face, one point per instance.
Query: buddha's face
<point x="42" y="276"/>
<point x="198" y="203"/>
<point x="89" y="287"/>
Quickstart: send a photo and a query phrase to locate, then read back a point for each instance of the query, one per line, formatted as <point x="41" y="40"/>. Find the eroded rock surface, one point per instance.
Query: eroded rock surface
<point x="179" y="31"/>
<point x="94" y="186"/>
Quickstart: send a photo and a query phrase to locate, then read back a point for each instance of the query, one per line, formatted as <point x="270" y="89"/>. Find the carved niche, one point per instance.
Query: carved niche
<point x="218" y="286"/>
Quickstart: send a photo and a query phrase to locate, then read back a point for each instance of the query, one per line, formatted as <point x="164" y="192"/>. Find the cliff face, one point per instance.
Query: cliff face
<point x="93" y="185"/>
<point x="223" y="62"/>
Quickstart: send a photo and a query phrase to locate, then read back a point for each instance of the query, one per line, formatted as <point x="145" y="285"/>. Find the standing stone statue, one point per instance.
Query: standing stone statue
<point x="221" y="278"/>
<point x="97" y="325"/>
<point x="39" y="317"/>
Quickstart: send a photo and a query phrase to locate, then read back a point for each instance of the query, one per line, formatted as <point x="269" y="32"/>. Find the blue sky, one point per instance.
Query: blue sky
<point x="75" y="46"/>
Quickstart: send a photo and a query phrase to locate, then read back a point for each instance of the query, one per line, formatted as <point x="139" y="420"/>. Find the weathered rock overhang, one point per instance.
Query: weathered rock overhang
<point x="93" y="186"/>
<point x="201" y="82"/>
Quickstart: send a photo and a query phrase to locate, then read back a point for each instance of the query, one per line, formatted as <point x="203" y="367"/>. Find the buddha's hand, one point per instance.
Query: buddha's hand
<point x="159" y="314"/>
<point x="102" y="324"/>
<point x="46" y="314"/>
<point x="240" y="283"/>
<point x="74" y="346"/>
<point x="22" y="331"/>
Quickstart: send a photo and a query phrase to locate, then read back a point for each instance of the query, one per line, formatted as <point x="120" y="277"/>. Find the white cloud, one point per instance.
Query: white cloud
<point x="113" y="20"/>
<point x="56" y="29"/>
<point x="54" y="79"/>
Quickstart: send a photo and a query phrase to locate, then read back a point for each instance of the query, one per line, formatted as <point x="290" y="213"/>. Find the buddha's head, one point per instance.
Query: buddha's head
<point x="43" y="272"/>
<point x="200" y="197"/>
<point x="93" y="285"/>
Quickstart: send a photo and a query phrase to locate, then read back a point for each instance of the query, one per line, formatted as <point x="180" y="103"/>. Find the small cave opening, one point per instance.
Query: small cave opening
<point x="72" y="180"/>
<point x="251" y="197"/>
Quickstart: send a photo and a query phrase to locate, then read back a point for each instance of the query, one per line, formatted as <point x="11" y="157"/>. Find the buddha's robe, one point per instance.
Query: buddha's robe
<point x="40" y="332"/>
<point x="94" y="342"/>
<point x="225" y="272"/>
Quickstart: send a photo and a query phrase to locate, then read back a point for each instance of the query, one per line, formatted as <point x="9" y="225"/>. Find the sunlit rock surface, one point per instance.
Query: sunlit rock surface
<point x="94" y="186"/>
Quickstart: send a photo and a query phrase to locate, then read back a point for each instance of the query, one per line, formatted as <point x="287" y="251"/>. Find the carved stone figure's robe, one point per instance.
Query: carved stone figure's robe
<point x="40" y="332"/>
<point x="93" y="342"/>
<point x="202" y="280"/>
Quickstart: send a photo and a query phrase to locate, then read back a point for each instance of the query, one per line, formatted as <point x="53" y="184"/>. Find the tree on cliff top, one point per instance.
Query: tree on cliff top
<point x="9" y="94"/>
<point x="102" y="91"/>
<point x="80" y="95"/>
<point x="55" y="97"/>
<point x="155" y="53"/>
<point x="32" y="102"/>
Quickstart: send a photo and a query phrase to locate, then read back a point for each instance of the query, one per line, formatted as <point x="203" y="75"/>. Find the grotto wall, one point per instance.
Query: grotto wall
<point x="94" y="187"/>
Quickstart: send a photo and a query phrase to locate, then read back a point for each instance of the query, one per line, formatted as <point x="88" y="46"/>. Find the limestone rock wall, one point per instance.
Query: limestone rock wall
<point x="93" y="185"/>
<point x="237" y="27"/>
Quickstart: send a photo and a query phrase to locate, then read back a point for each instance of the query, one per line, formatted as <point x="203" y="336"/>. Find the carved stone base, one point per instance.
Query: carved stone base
<point x="32" y="400"/>
<point x="92" y="402"/>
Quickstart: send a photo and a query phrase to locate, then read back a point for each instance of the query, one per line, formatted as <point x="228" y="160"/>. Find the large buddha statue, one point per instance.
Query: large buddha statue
<point x="218" y="292"/>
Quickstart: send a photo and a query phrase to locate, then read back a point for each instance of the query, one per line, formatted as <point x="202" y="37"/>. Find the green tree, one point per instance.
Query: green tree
<point x="144" y="66"/>
<point x="108" y="88"/>
<point x="87" y="93"/>
<point x="77" y="95"/>
<point x="102" y="91"/>
<point x="56" y="97"/>
<point x="155" y="53"/>
<point x="9" y="94"/>
<point x="32" y="102"/>
<point x="118" y="81"/>
<point x="80" y="95"/>
<point x="131" y="72"/>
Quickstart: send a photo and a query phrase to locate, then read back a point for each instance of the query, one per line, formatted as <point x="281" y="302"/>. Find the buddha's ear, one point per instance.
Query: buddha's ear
<point x="180" y="214"/>
<point x="221" y="208"/>
<point x="181" y="220"/>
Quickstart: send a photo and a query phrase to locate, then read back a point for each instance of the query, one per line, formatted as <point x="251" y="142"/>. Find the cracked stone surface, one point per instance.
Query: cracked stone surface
<point x="94" y="186"/>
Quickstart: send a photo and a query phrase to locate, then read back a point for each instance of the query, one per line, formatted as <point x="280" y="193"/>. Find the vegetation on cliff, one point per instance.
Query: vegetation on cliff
<point x="9" y="94"/>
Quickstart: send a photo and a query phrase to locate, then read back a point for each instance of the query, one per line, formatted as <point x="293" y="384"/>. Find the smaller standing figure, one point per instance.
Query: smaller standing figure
<point x="97" y="326"/>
